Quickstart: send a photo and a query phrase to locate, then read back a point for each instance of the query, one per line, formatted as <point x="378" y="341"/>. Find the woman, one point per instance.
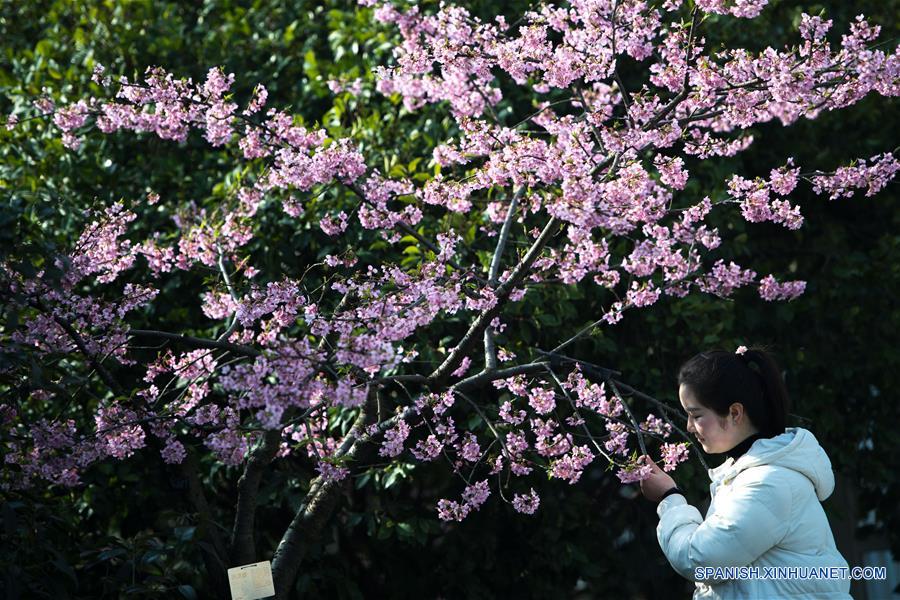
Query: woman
<point x="766" y="507"/>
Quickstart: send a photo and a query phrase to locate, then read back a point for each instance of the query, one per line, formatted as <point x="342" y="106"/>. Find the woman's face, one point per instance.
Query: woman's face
<point x="714" y="433"/>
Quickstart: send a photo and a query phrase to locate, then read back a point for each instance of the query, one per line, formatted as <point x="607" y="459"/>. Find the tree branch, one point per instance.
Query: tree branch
<point x="502" y="292"/>
<point x="221" y="263"/>
<point x="679" y="98"/>
<point x="490" y="350"/>
<point x="79" y="342"/>
<point x="214" y="556"/>
<point x="479" y="379"/>
<point x="196" y="342"/>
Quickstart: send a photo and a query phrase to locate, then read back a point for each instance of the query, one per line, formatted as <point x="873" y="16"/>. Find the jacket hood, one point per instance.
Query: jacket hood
<point x="796" y="449"/>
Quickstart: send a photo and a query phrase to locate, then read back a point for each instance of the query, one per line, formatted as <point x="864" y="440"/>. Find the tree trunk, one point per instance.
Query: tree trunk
<point x="321" y="500"/>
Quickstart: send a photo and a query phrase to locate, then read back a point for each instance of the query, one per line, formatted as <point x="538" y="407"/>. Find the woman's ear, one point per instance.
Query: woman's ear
<point x="736" y="412"/>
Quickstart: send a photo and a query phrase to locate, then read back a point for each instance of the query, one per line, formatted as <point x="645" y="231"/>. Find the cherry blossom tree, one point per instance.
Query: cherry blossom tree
<point x="337" y="366"/>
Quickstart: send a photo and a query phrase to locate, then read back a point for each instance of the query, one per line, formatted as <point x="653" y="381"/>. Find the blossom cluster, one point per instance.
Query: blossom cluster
<point x="872" y="175"/>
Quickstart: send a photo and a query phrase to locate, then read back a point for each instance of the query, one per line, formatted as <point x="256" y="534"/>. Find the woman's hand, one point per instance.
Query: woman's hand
<point x="657" y="484"/>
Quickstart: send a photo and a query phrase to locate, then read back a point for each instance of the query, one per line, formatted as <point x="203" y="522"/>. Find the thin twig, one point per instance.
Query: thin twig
<point x="578" y="416"/>
<point x="637" y="428"/>
<point x="195" y="342"/>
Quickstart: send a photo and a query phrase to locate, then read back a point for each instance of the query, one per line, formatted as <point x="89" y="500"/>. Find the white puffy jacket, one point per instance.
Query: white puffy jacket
<point x="765" y="512"/>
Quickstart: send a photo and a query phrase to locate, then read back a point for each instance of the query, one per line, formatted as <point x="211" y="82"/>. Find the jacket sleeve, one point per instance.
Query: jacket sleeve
<point x="752" y="518"/>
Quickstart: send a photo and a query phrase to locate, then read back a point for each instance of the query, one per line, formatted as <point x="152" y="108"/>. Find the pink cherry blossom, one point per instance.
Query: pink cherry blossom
<point x="673" y="454"/>
<point x="526" y="503"/>
<point x="591" y="185"/>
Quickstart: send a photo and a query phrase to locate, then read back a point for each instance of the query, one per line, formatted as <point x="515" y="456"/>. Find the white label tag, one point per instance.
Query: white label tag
<point x="251" y="582"/>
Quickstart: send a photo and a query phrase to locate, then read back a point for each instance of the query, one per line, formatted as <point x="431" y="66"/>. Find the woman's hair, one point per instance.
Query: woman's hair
<point x="719" y="378"/>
